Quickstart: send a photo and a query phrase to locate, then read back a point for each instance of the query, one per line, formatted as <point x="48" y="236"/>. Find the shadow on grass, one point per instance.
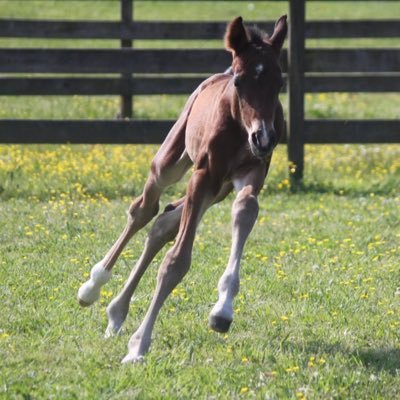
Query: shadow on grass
<point x="383" y="359"/>
<point x="327" y="188"/>
<point x="378" y="359"/>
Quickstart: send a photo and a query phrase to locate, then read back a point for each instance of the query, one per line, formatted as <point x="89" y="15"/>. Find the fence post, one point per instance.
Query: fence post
<point x="126" y="103"/>
<point x="295" y="134"/>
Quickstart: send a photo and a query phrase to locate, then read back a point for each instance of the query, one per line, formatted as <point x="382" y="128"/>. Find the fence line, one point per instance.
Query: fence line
<point x="160" y="30"/>
<point x="306" y="71"/>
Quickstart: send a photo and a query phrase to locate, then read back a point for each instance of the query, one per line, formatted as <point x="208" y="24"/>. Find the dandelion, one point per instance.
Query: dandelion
<point x="106" y="293"/>
<point x="293" y="369"/>
<point x="292" y="167"/>
<point x="244" y="390"/>
<point x="300" y="395"/>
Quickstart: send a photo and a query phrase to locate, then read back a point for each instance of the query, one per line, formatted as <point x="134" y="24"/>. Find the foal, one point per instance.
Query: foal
<point x="227" y="131"/>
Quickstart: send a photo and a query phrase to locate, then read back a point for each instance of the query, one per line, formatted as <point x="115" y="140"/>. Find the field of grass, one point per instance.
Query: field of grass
<point x="318" y="313"/>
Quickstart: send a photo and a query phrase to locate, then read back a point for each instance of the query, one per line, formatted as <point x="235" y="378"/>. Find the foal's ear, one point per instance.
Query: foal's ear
<point x="280" y="31"/>
<point x="236" y="37"/>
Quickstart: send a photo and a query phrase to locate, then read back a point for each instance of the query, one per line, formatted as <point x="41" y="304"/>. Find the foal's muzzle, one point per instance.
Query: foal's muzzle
<point x="262" y="145"/>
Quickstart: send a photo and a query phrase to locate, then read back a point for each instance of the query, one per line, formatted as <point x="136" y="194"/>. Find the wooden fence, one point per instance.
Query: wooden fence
<point x="144" y="71"/>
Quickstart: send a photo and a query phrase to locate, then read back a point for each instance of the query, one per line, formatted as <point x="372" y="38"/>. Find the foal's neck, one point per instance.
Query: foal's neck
<point x="235" y="107"/>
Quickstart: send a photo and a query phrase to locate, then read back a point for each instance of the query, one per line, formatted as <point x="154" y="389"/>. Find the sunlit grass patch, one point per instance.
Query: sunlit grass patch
<point x="352" y="105"/>
<point x="80" y="171"/>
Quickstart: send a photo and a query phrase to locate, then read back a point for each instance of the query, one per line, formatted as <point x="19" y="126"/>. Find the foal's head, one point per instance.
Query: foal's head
<point x="257" y="77"/>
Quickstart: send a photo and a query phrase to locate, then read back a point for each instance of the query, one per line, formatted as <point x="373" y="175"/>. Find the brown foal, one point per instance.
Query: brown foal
<point x="227" y="131"/>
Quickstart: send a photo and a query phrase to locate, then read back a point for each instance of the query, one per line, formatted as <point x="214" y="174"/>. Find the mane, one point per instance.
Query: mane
<point x="256" y="35"/>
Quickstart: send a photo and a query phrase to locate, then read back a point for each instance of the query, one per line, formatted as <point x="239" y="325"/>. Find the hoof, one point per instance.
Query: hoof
<point x="130" y="359"/>
<point x="219" y="324"/>
<point x="88" y="294"/>
<point x="112" y="331"/>
<point x="83" y="303"/>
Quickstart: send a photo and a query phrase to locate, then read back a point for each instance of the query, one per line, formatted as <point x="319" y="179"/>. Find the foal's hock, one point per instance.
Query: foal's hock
<point x="228" y="130"/>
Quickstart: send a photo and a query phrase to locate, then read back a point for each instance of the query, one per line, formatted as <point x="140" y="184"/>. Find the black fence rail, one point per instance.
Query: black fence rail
<point x="142" y="71"/>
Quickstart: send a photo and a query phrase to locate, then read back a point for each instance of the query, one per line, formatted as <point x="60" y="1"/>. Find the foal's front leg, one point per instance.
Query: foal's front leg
<point x="244" y="215"/>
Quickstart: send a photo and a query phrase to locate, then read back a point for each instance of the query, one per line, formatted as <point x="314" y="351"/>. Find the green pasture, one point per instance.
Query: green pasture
<point x="317" y="316"/>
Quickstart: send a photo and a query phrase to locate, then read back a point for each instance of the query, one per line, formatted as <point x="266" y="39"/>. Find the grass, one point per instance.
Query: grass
<point x="318" y="311"/>
<point x="317" y="315"/>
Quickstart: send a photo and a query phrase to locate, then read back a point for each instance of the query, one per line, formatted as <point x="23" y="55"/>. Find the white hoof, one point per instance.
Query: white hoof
<point x="132" y="359"/>
<point x="89" y="292"/>
<point x="112" y="331"/>
<point x="224" y="311"/>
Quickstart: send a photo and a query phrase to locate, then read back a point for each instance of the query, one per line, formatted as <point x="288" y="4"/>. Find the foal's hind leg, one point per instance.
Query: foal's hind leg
<point x="177" y="261"/>
<point x="169" y="165"/>
<point x="164" y="230"/>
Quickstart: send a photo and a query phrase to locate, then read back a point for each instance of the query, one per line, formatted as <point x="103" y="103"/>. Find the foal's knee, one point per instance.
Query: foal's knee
<point x="245" y="207"/>
<point x="142" y="210"/>
<point x="166" y="225"/>
<point x="175" y="265"/>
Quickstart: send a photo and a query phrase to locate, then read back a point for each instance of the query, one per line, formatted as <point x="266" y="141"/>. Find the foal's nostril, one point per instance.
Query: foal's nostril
<point x="254" y="139"/>
<point x="264" y="145"/>
<point x="236" y="81"/>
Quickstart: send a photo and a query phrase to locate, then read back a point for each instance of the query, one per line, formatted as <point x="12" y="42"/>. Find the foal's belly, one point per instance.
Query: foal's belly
<point x="196" y="138"/>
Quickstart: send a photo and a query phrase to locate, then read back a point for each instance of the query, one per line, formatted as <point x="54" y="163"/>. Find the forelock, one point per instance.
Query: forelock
<point x="257" y="36"/>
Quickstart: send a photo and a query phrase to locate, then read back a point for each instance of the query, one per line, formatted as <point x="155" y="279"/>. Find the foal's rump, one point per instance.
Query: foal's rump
<point x="173" y="147"/>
